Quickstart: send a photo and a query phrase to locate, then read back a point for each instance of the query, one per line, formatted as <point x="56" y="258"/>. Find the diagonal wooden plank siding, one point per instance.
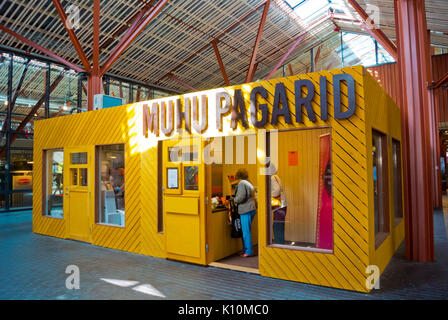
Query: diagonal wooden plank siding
<point x="351" y="144"/>
<point x="108" y="126"/>
<point x="345" y="268"/>
<point x="384" y="116"/>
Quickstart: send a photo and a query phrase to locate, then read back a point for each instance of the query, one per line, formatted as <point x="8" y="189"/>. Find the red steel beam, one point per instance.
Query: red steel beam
<point x="138" y="93"/>
<point x="36" y="107"/>
<point x="16" y="93"/>
<point x="441" y="81"/>
<point x="230" y="28"/>
<point x="72" y="35"/>
<point x="137" y="19"/>
<point x="19" y="85"/>
<point x="434" y="130"/>
<point x="189" y="26"/>
<point x="137" y="16"/>
<point x="417" y="128"/>
<point x="42" y="49"/>
<point x="285" y="56"/>
<point x="292" y="39"/>
<point x="123" y="45"/>
<point x="96" y="37"/>
<point x="251" y="71"/>
<point x="38" y="72"/>
<point x="94" y="84"/>
<point x="173" y="77"/>
<point x="68" y="104"/>
<point x="377" y="34"/>
<point x="316" y="58"/>
<point x="221" y="64"/>
<point x="291" y="72"/>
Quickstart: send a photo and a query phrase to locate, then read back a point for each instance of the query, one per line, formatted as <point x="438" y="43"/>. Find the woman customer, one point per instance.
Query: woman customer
<point x="244" y="199"/>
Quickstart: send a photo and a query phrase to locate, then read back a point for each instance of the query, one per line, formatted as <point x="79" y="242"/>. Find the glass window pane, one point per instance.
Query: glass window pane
<point x="173" y="178"/>
<point x="191" y="177"/>
<point x="2" y="180"/>
<point x="398" y="195"/>
<point x="53" y="182"/>
<point x="189" y="156"/>
<point x="64" y="98"/>
<point x="111" y="188"/>
<point x="174" y="154"/>
<point x="83" y="176"/>
<point x="74" y="176"/>
<point x="380" y="187"/>
<point x="300" y="190"/>
<point x="21" y="177"/>
<point x="79" y="158"/>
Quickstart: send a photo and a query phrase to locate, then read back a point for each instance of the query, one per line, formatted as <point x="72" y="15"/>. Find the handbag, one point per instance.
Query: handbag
<point x="237" y="230"/>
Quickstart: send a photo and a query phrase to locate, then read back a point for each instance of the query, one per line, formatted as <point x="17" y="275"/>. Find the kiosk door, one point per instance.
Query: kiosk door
<point x="77" y="193"/>
<point x="184" y="200"/>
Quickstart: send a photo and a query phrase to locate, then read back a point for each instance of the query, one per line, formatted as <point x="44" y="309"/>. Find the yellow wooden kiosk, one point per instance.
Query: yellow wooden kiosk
<point x="152" y="177"/>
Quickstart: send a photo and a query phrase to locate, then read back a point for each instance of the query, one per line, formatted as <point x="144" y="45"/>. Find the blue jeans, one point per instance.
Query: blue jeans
<point x="246" y="222"/>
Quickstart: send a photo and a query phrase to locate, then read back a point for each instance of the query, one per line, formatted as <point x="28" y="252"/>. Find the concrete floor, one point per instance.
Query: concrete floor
<point x="33" y="267"/>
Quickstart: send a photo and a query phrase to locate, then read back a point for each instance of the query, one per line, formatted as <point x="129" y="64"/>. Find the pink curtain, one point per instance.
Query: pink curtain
<point x="324" y="225"/>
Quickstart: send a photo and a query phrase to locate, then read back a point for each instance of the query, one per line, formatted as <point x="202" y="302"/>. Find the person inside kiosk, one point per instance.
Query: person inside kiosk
<point x="245" y="200"/>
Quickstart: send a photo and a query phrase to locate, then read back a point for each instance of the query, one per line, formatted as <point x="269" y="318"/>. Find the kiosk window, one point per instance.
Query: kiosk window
<point x="174" y="154"/>
<point x="398" y="195"/>
<point x="182" y="153"/>
<point x="380" y="185"/>
<point x="53" y="172"/>
<point x="74" y="176"/>
<point x="189" y="156"/>
<point x="79" y="158"/>
<point x="172" y="178"/>
<point x="299" y="190"/>
<point x="110" y="185"/>
<point x="191" y="177"/>
<point x="83" y="176"/>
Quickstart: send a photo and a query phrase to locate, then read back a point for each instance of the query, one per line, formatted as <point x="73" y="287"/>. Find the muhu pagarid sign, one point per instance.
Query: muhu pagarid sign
<point x="198" y="111"/>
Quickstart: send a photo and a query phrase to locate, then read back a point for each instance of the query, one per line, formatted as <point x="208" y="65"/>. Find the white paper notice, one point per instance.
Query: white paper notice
<point x="173" y="180"/>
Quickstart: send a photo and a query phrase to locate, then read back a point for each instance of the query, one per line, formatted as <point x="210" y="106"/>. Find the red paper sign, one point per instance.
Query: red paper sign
<point x="292" y="158"/>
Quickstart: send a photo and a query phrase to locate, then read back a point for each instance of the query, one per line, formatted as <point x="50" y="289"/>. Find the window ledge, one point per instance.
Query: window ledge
<point x="379" y="238"/>
<point x="110" y="225"/>
<point x="296" y="248"/>
<point x="397" y="221"/>
<point x="59" y="218"/>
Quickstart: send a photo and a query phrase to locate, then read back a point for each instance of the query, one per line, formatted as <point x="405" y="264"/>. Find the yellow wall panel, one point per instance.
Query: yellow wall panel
<point x="351" y="149"/>
<point x="107" y="126"/>
<point x="382" y="115"/>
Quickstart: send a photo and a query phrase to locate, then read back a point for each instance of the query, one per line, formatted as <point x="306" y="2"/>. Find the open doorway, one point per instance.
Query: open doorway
<point x="224" y="156"/>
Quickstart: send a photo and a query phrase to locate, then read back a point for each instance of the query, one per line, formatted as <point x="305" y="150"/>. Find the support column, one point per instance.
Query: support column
<point x="8" y="182"/>
<point x="417" y="127"/>
<point x="47" y="91"/>
<point x="79" y="102"/>
<point x="94" y="84"/>
<point x="435" y="141"/>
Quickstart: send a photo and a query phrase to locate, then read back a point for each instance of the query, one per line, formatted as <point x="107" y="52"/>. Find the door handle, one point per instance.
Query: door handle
<point x="66" y="194"/>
